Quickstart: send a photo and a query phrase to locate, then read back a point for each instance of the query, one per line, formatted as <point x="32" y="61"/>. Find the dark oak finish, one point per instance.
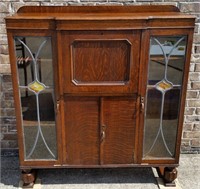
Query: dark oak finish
<point x="110" y="61"/>
<point x="28" y="177"/>
<point x="82" y="130"/>
<point x="100" y="63"/>
<point x="118" y="124"/>
<point x="100" y="17"/>
<point x="98" y="9"/>
<point x="169" y="174"/>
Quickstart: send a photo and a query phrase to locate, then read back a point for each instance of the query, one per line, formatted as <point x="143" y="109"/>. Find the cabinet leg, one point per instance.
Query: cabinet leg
<point x="168" y="174"/>
<point x="28" y="178"/>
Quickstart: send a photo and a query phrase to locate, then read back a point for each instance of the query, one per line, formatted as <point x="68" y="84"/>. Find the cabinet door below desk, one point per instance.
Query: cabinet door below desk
<point x="118" y="122"/>
<point x="82" y="130"/>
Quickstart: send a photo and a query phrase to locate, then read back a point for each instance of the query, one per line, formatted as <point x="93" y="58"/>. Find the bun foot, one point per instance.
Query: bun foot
<point x="28" y="178"/>
<point x="168" y="174"/>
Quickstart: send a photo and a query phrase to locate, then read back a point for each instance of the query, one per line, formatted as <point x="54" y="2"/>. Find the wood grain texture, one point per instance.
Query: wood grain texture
<point x="119" y="120"/>
<point x="99" y="61"/>
<point x="99" y="17"/>
<point x="82" y="130"/>
<point x="97" y="9"/>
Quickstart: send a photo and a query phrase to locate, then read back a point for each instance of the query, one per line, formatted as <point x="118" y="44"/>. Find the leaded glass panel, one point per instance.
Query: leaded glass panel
<point x="36" y="87"/>
<point x="166" y="64"/>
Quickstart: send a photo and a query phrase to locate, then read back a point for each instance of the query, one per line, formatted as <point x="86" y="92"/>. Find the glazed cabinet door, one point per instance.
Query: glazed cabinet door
<point x="168" y="66"/>
<point x="33" y="71"/>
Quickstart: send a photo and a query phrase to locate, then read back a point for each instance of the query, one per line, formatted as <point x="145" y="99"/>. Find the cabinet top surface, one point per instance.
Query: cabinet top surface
<point x="99" y="12"/>
<point x="99" y="17"/>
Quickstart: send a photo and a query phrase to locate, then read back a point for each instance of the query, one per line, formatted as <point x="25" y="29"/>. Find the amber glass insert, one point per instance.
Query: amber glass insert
<point x="36" y="87"/>
<point x="166" y="64"/>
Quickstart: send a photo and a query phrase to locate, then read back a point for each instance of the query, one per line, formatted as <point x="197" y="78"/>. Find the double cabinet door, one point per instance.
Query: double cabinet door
<point x="99" y="130"/>
<point x="100" y="83"/>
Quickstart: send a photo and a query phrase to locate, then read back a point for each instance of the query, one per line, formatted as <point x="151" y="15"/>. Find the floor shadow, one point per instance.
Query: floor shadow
<point x="96" y="176"/>
<point x="11" y="175"/>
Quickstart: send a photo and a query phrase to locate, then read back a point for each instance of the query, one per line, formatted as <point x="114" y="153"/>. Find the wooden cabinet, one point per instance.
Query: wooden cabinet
<point x="100" y="86"/>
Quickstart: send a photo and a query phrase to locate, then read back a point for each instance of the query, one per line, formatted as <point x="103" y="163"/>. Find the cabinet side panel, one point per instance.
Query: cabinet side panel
<point x="119" y="118"/>
<point x="82" y="130"/>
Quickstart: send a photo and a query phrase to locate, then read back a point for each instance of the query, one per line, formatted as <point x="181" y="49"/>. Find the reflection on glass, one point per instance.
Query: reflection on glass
<point x="167" y="55"/>
<point x="35" y="77"/>
<point x="166" y="64"/>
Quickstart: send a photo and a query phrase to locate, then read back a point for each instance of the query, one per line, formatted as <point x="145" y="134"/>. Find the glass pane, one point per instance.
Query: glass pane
<point x="156" y="66"/>
<point x="24" y="62"/>
<point x="156" y="71"/>
<point x="170" y="118"/>
<point x="160" y="135"/>
<point x="42" y="56"/>
<point x="44" y="59"/>
<point x="166" y="64"/>
<point x="176" y="62"/>
<point x="35" y="73"/>
<point x="167" y="52"/>
<point x="152" y="121"/>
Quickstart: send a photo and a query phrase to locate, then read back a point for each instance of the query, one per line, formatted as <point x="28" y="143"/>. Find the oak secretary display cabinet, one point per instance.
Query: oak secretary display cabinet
<point x="99" y="86"/>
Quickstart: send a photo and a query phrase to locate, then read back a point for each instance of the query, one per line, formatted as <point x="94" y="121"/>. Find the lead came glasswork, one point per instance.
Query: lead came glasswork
<point x="36" y="86"/>
<point x="167" y="57"/>
<point x="38" y="122"/>
<point x="164" y="85"/>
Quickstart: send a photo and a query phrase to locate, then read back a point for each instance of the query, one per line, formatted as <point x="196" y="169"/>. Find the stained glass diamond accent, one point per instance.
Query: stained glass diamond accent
<point x="36" y="86"/>
<point x="164" y="85"/>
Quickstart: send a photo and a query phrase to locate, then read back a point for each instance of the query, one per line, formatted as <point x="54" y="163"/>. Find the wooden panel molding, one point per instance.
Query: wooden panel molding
<point x="100" y="62"/>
